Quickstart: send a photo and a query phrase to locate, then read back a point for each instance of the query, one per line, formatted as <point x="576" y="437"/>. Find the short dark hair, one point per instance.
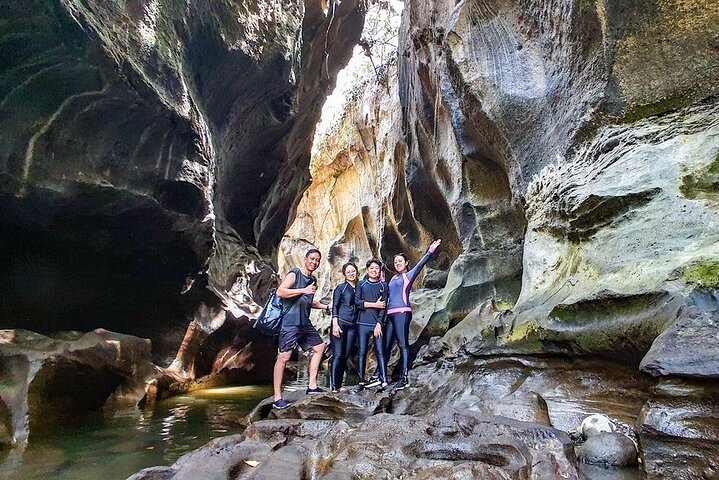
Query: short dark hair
<point x="311" y="251"/>
<point x="349" y="264"/>
<point x="374" y="260"/>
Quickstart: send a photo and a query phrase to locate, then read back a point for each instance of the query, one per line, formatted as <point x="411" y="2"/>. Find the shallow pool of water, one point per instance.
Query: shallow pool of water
<point x="115" y="446"/>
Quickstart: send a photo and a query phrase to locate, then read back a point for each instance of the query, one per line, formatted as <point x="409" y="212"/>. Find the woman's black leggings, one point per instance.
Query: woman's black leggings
<point x="365" y="332"/>
<point x="398" y="328"/>
<point x="341" y="347"/>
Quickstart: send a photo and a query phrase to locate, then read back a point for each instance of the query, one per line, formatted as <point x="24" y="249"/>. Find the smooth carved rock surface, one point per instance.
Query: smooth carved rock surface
<point x="569" y="165"/>
<point x="675" y="352"/>
<point x="44" y="379"/>
<point x="448" y="444"/>
<point x="679" y="431"/>
<point x="554" y="391"/>
<point x="160" y="143"/>
<point x="343" y="406"/>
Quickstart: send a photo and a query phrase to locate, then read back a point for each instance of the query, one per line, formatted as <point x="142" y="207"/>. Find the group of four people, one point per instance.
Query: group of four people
<point x="369" y="309"/>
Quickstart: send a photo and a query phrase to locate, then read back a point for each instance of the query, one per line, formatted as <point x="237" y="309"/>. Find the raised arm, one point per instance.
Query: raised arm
<point x="412" y="274"/>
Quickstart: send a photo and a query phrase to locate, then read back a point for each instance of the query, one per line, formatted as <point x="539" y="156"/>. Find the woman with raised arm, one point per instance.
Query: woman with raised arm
<point x="344" y="324"/>
<point x="371" y="300"/>
<point x="399" y="310"/>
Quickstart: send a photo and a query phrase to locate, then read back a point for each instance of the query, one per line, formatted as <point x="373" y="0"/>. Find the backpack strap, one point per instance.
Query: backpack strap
<point x="286" y="306"/>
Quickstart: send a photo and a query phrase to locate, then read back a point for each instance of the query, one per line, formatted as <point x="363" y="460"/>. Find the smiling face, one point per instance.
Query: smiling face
<point x="350" y="273"/>
<point x="312" y="261"/>
<point x="400" y="264"/>
<point x="373" y="272"/>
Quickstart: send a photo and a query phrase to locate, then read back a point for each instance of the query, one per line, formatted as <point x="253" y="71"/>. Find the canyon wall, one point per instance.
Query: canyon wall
<point x="150" y="150"/>
<point x="567" y="154"/>
<point x="564" y="151"/>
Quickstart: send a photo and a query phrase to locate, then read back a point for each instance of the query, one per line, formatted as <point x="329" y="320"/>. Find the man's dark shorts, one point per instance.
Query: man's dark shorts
<point x="305" y="336"/>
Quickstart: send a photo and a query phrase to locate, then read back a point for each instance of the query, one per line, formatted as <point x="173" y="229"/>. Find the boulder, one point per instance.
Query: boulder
<point x="608" y="449"/>
<point x="675" y="352"/>
<point x="595" y="425"/>
<point x="45" y="380"/>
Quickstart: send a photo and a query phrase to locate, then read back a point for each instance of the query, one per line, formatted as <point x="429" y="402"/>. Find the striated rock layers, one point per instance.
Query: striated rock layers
<point x="147" y="148"/>
<point x="566" y="151"/>
<point x="568" y="154"/>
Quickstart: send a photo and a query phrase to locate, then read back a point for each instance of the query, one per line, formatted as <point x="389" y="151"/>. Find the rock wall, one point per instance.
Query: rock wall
<point x="566" y="151"/>
<point x="139" y="144"/>
<point x="568" y="165"/>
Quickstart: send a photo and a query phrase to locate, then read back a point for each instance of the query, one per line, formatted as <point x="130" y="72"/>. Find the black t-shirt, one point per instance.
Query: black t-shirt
<point x="299" y="312"/>
<point x="369" y="292"/>
<point x="343" y="303"/>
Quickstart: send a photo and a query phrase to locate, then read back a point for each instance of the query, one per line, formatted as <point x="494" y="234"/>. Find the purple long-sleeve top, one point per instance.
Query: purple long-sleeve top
<point x="400" y="285"/>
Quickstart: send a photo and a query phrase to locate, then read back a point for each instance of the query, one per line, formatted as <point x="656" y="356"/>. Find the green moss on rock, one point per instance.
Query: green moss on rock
<point x="695" y="183"/>
<point x="526" y="337"/>
<point x="703" y="273"/>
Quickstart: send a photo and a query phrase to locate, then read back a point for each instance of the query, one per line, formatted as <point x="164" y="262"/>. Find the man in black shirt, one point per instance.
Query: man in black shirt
<point x="297" y="291"/>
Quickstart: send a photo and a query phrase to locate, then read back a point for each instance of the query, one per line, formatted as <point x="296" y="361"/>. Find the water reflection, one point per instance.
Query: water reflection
<point x="114" y="446"/>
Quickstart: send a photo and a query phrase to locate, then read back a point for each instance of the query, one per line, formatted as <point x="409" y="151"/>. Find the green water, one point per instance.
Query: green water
<point x="115" y="446"/>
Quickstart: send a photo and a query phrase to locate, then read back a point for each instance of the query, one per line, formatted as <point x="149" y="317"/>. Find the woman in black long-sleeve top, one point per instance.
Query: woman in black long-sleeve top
<point x="344" y="324"/>
<point x="371" y="300"/>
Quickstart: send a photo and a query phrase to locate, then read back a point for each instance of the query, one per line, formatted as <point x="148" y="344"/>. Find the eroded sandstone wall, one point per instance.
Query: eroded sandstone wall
<point x="139" y="144"/>
<point x="567" y="152"/>
<point x="563" y="150"/>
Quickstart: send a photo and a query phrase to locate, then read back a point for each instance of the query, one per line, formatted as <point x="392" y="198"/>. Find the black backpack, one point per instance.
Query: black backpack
<point x="269" y="322"/>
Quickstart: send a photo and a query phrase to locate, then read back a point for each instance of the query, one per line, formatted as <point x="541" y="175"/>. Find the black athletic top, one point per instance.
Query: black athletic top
<point x="369" y="292"/>
<point x="343" y="303"/>
<point x="299" y="312"/>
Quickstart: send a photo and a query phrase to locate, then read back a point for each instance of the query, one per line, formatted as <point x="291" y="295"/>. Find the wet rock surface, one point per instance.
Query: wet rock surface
<point x="679" y="430"/>
<point x="45" y="380"/>
<point x="351" y="408"/>
<point x="564" y="391"/>
<point x="565" y="151"/>
<point x="447" y="444"/>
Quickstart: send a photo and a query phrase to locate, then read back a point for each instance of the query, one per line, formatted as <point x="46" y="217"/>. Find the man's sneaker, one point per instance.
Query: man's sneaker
<point x="359" y="388"/>
<point x="373" y="382"/>
<point x="280" y="404"/>
<point x="311" y="391"/>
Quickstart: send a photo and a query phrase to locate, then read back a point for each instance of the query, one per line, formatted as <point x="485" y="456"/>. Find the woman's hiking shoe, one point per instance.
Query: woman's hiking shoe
<point x="401" y="384"/>
<point x="311" y="391"/>
<point x="280" y="404"/>
<point x="387" y="387"/>
<point x="359" y="388"/>
<point x="373" y="382"/>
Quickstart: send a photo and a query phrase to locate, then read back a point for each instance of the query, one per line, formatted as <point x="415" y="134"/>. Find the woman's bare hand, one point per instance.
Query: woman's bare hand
<point x="336" y="330"/>
<point x="377" y="331"/>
